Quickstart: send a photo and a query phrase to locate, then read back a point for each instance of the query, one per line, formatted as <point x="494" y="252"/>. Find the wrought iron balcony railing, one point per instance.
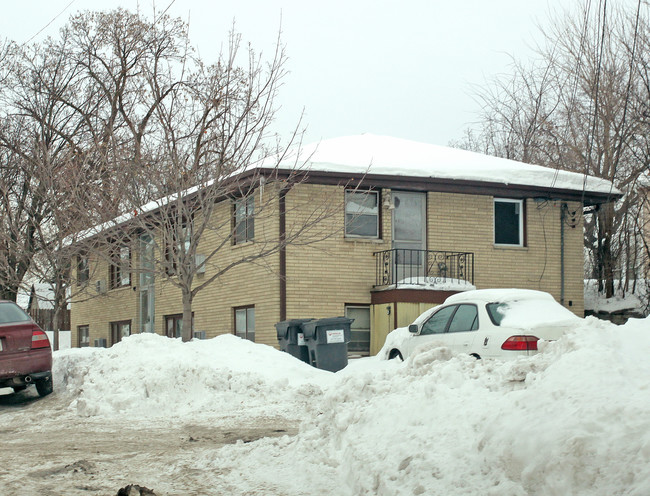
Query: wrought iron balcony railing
<point x="423" y="267"/>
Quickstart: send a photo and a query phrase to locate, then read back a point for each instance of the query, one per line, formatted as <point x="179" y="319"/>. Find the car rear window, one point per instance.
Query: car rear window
<point x="10" y="313"/>
<point x="496" y="311"/>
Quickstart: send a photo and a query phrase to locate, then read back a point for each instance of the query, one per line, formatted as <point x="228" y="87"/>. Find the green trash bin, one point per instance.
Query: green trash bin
<point x="291" y="338"/>
<point x="327" y="342"/>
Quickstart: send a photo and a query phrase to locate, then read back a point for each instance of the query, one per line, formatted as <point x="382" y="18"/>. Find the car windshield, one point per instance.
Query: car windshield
<point x="10" y="313"/>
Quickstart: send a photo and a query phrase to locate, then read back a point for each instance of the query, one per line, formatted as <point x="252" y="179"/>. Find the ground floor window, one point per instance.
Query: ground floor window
<point x="360" y="328"/>
<point x="83" y="336"/>
<point x="120" y="330"/>
<point x="245" y="322"/>
<point x="174" y="325"/>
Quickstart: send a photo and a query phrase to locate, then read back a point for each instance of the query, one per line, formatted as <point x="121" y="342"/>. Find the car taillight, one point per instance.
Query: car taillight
<point x="520" y="343"/>
<point x="39" y="339"/>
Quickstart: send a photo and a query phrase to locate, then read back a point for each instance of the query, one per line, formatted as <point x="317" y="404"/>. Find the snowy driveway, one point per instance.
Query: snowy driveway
<point x="47" y="451"/>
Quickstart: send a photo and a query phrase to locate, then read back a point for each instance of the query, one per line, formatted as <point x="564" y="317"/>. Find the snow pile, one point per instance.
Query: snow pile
<point x="635" y="301"/>
<point x="156" y="376"/>
<point x="574" y="419"/>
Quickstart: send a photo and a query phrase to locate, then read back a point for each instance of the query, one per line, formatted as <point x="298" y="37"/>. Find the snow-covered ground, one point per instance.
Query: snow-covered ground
<point x="633" y="301"/>
<point x="572" y="420"/>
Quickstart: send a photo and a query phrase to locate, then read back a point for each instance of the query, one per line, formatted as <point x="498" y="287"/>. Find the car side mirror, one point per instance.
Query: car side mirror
<point x="413" y="328"/>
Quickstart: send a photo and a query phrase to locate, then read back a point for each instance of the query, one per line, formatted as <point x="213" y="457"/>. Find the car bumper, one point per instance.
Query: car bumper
<point x="36" y="364"/>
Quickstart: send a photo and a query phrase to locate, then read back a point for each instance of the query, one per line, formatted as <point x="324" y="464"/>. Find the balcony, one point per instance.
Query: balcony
<point x="404" y="267"/>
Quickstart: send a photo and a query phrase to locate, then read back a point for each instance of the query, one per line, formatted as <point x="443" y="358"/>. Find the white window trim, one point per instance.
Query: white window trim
<point x="520" y="202"/>
<point x="345" y="214"/>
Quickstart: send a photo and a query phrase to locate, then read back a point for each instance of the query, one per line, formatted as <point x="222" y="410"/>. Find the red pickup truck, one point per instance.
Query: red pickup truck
<point x="25" y="353"/>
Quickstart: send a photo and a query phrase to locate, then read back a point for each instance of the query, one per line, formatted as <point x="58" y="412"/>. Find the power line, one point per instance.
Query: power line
<point x="48" y="24"/>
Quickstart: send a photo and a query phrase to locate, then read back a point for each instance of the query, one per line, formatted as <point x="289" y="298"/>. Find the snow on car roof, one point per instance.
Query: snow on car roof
<point x="499" y="295"/>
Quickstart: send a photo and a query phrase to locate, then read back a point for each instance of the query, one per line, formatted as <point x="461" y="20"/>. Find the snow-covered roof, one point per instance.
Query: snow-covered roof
<point x="369" y="154"/>
<point x="385" y="155"/>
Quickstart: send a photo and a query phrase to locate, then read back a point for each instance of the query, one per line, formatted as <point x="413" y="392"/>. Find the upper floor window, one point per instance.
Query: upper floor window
<point x="83" y="269"/>
<point x="362" y="214"/>
<point x="177" y="247"/>
<point x="120" y="270"/>
<point x="508" y="222"/>
<point x="244" y="220"/>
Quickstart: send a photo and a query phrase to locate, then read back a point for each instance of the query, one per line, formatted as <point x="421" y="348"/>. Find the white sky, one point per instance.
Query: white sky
<point x="404" y="69"/>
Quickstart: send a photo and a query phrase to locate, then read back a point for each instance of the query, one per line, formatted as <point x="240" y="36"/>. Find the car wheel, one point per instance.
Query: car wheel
<point x="44" y="386"/>
<point x="17" y="389"/>
<point x="395" y="354"/>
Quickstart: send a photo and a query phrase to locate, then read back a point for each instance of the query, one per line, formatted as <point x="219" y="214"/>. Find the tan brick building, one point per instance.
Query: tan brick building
<point x="409" y="223"/>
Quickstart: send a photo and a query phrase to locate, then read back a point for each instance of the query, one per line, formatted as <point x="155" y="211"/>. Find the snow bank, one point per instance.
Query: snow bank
<point x="156" y="376"/>
<point x="574" y="419"/>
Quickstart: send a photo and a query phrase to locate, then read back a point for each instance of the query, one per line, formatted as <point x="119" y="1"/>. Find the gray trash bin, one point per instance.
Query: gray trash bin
<point x="327" y="341"/>
<point x="291" y="338"/>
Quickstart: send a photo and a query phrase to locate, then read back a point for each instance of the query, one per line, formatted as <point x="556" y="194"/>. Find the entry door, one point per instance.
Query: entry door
<point x="409" y="234"/>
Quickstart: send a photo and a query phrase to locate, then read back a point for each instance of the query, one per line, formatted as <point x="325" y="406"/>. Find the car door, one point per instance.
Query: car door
<point x="434" y="329"/>
<point x="462" y="328"/>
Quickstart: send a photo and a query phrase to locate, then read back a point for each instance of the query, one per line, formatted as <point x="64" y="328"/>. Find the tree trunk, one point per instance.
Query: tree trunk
<point x="606" y="262"/>
<point x="187" y="315"/>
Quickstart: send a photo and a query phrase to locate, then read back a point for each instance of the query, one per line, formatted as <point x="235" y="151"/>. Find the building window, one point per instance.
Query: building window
<point x="360" y="328"/>
<point x="245" y="323"/>
<point x="362" y="214"/>
<point x="244" y="220"/>
<point x="83" y="336"/>
<point x="83" y="269"/>
<point x="120" y="268"/>
<point x="120" y="330"/>
<point x="174" y="325"/>
<point x="177" y="247"/>
<point x="508" y="222"/>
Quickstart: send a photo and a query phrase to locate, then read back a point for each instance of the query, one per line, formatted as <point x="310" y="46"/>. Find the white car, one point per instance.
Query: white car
<point x="485" y="323"/>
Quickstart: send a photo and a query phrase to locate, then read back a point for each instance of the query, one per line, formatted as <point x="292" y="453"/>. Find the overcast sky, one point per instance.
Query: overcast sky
<point x="405" y="69"/>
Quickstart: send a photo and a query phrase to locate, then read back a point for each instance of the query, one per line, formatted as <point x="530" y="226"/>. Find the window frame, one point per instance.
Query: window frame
<point x="173" y="247"/>
<point x="83" y="269"/>
<point x="246" y="333"/>
<point x="120" y="266"/>
<point x="175" y="318"/>
<point x="347" y="222"/>
<point x="360" y="306"/>
<point x="247" y="205"/>
<point x="118" y="325"/>
<point x="521" y="226"/>
<point x="80" y="343"/>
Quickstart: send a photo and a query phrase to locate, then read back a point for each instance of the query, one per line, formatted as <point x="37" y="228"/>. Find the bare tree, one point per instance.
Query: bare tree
<point x="579" y="107"/>
<point x="212" y="160"/>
